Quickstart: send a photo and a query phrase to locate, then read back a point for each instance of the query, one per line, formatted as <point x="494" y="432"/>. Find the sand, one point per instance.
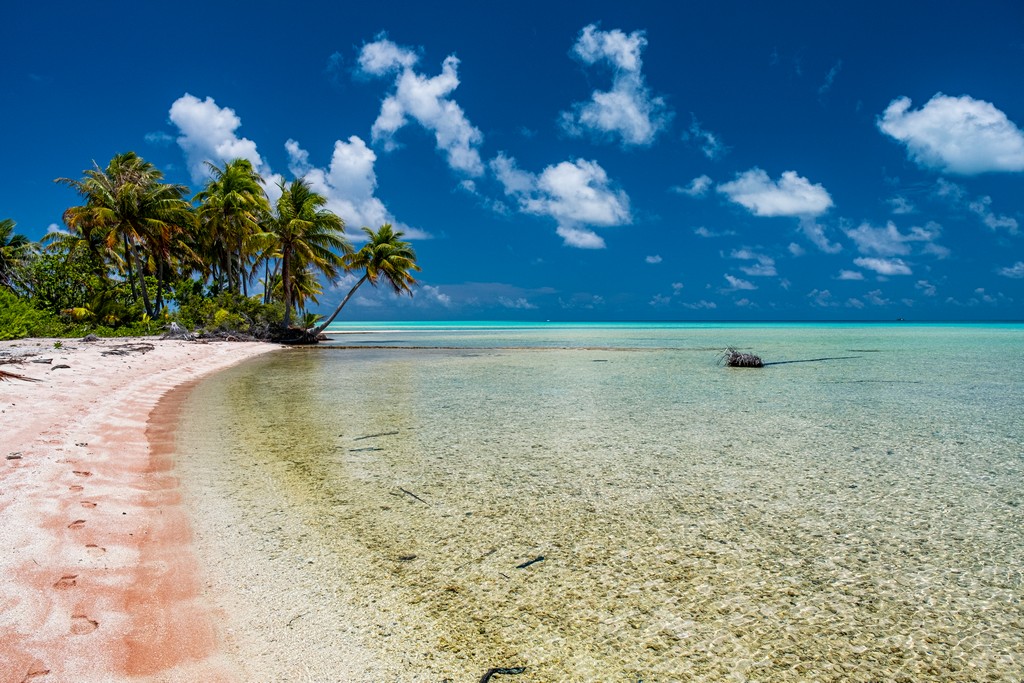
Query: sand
<point x="100" y="580"/>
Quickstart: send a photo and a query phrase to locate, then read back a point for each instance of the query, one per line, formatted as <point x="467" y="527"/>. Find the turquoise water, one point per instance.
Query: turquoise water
<point x="852" y="512"/>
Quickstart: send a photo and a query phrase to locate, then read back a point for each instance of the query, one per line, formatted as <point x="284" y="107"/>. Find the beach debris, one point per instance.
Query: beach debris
<point x="5" y="375"/>
<point x="524" y="565"/>
<point x="90" y="338"/>
<point x="14" y="456"/>
<point x="407" y="558"/>
<point x="176" y="331"/>
<point x="733" y="358"/>
<point x="410" y="493"/>
<point x="127" y="349"/>
<point x="502" y="670"/>
<point x="374" y="436"/>
<point x="45" y="361"/>
<point x="62" y="366"/>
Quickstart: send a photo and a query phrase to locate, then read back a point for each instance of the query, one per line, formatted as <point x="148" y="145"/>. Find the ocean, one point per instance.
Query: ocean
<point x="607" y="502"/>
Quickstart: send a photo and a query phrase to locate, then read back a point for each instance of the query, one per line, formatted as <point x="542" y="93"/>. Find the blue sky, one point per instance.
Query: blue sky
<point x="573" y="161"/>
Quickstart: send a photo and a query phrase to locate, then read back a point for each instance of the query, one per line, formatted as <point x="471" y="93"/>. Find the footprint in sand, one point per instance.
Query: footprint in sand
<point x="81" y="624"/>
<point x="81" y="473"/>
<point x="65" y="582"/>
<point x="77" y="524"/>
<point x="37" y="670"/>
<point x="95" y="550"/>
<point x="88" y="504"/>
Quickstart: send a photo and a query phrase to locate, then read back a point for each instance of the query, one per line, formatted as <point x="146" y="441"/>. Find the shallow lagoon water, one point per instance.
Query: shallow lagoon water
<point x="851" y="513"/>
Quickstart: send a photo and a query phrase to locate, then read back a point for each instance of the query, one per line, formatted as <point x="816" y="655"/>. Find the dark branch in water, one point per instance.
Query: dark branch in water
<point x="524" y="565"/>
<point x="512" y="671"/>
<point x="410" y="493"/>
<point x="811" y="360"/>
<point x="374" y="436"/>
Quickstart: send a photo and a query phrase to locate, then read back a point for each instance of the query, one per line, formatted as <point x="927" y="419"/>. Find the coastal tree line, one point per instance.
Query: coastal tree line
<point x="138" y="252"/>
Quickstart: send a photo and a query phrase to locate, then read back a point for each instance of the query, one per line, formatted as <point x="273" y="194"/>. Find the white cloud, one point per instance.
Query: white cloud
<point x="520" y="303"/>
<point x="736" y="284"/>
<point x="791" y="195"/>
<point x="765" y="266"/>
<point x="850" y="275"/>
<point x="698" y="187"/>
<point x="889" y="241"/>
<point x="653" y="259"/>
<point x="704" y="232"/>
<point x="702" y="305"/>
<point x="159" y="138"/>
<point x="795" y="249"/>
<point x="830" y="79"/>
<point x="208" y="134"/>
<point x="628" y="111"/>
<point x="875" y="298"/>
<point x="901" y="205"/>
<point x="959" y="135"/>
<point x="884" y="266"/>
<point x="980" y="206"/>
<point x="821" y="297"/>
<point x="349" y="184"/>
<point x="424" y="100"/>
<point x="815" y="232"/>
<point x="927" y="288"/>
<point x="1016" y="271"/>
<point x="709" y="143"/>
<point x="578" y="195"/>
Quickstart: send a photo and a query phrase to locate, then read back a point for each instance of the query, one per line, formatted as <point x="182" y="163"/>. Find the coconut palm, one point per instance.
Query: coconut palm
<point x="134" y="212"/>
<point x="14" y="249"/>
<point x="305" y="234"/>
<point x="233" y="207"/>
<point x="384" y="257"/>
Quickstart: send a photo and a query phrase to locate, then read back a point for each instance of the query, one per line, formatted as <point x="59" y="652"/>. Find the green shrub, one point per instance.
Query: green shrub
<point x="18" y="318"/>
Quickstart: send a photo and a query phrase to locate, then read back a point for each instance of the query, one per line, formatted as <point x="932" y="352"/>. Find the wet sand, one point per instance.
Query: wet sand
<point x="100" y="580"/>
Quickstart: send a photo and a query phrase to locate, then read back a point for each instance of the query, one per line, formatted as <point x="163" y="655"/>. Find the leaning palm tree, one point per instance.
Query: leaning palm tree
<point x="386" y="256"/>
<point x="134" y="213"/>
<point x="14" y="249"/>
<point x="232" y="207"/>
<point x="305" y="234"/>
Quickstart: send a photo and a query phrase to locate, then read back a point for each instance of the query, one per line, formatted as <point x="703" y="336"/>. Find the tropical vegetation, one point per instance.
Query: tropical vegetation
<point x="136" y="253"/>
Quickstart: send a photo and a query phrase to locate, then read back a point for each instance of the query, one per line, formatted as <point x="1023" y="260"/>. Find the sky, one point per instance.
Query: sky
<point x="571" y="160"/>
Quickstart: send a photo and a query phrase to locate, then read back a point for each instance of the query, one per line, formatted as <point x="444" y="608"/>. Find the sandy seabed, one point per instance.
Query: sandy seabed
<point x="100" y="580"/>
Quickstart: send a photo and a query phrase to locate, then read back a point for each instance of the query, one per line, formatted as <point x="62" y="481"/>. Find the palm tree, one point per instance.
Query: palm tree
<point x="233" y="207"/>
<point x="134" y="212"/>
<point x="386" y="256"/>
<point x="305" y="233"/>
<point x="14" y="249"/>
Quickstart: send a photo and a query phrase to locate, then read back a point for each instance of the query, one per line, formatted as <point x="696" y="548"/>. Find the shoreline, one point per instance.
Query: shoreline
<point x="101" y="578"/>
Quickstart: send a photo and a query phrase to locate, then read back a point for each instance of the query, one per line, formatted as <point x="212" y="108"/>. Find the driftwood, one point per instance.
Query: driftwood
<point x="4" y="376"/>
<point x="126" y="349"/>
<point x="524" y="565"/>
<point x="733" y="358"/>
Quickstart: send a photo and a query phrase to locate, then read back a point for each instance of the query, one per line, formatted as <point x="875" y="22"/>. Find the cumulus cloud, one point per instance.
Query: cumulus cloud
<point x="889" y="241"/>
<point x="705" y="232"/>
<point x="653" y="259"/>
<point x="850" y="275"/>
<point x="791" y="195"/>
<point x="1016" y="271"/>
<point x="208" y="134"/>
<point x="927" y="288"/>
<point x="698" y="187"/>
<point x="629" y="111"/>
<point x="900" y="205"/>
<point x="577" y="195"/>
<point x="159" y="138"/>
<point x="883" y="266"/>
<point x="423" y="100"/>
<point x="349" y="184"/>
<point x="958" y="135"/>
<point x="763" y="266"/>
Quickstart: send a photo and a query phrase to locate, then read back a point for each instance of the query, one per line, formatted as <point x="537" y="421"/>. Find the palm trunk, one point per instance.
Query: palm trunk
<point x="142" y="283"/>
<point x="286" y="285"/>
<point x="322" y="326"/>
<point x="128" y="267"/>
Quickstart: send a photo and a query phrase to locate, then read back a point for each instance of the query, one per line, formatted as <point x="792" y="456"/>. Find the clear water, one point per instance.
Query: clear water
<point x="854" y="512"/>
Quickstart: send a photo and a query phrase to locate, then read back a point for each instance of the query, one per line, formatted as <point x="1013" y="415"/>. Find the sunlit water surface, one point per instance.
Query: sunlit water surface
<point x="856" y="516"/>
